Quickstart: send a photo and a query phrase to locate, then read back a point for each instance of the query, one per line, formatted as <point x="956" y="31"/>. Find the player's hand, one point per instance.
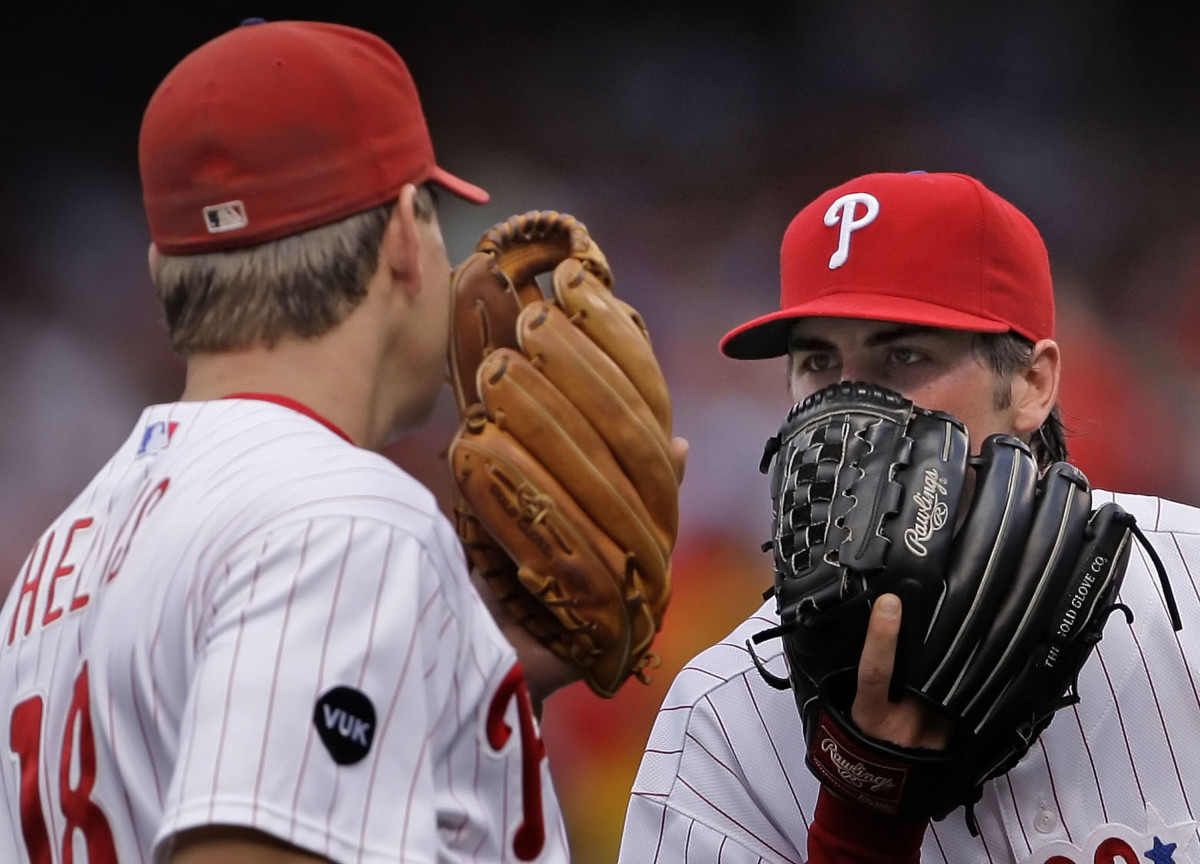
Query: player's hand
<point x="908" y="723"/>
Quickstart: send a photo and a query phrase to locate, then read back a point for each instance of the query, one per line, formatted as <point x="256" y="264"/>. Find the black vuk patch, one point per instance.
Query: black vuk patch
<point x="345" y="720"/>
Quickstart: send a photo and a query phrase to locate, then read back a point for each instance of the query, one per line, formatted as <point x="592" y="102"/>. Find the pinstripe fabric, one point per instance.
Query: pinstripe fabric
<point x="257" y="562"/>
<point x="725" y="756"/>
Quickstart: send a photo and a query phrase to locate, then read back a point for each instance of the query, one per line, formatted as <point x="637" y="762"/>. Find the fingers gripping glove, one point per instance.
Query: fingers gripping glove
<point x="999" y="612"/>
<point x="566" y="494"/>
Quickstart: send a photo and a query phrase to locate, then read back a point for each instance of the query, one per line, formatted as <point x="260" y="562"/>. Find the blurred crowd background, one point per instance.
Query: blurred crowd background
<point x="685" y="136"/>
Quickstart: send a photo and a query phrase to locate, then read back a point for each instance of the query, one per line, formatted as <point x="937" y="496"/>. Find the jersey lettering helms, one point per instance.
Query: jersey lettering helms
<point x="245" y="620"/>
<point x="1113" y="780"/>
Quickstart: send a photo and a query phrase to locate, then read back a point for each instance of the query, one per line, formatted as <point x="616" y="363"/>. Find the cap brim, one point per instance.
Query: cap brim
<point x="458" y="186"/>
<point x="767" y="336"/>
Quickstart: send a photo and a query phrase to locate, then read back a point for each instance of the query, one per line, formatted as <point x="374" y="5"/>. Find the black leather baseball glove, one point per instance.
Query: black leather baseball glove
<point x="1004" y="595"/>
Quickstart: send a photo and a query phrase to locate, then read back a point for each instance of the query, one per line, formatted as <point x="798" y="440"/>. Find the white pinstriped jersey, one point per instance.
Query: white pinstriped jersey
<point x="246" y="620"/>
<point x="1113" y="780"/>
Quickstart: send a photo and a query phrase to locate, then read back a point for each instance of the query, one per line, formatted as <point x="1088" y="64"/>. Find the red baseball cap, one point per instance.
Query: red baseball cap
<point x="274" y="128"/>
<point x="940" y="250"/>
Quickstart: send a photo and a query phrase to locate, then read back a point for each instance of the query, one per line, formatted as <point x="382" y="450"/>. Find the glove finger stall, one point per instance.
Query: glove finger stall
<point x="1071" y="633"/>
<point x="499" y="572"/>
<point x="1055" y="536"/>
<point x="610" y="402"/>
<point x="534" y="521"/>
<point x="486" y="311"/>
<point x="617" y="329"/>
<point x="525" y="405"/>
<point x="986" y="553"/>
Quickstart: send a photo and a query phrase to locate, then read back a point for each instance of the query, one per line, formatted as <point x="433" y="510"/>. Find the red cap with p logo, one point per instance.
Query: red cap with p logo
<point x="940" y="250"/>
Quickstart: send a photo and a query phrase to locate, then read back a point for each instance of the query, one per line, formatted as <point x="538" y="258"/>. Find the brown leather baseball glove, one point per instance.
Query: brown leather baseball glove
<point x="567" y="495"/>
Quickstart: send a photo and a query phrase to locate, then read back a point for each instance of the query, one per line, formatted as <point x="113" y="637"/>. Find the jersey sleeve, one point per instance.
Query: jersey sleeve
<point x="656" y="832"/>
<point x="721" y="778"/>
<point x="317" y="690"/>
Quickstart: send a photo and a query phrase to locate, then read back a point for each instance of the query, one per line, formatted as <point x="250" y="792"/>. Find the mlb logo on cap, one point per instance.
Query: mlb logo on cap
<point x="940" y="250"/>
<point x="229" y="216"/>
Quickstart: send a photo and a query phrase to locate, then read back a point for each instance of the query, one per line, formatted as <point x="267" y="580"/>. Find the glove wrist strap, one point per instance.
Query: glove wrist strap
<point x="881" y="777"/>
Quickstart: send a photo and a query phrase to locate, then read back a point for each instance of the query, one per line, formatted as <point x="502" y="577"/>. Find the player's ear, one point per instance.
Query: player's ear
<point x="152" y="258"/>
<point x="401" y="240"/>
<point x="1035" y="387"/>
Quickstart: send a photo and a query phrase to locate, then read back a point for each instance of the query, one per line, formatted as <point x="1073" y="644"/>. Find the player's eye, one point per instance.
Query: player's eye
<point x="817" y="361"/>
<point x="900" y="356"/>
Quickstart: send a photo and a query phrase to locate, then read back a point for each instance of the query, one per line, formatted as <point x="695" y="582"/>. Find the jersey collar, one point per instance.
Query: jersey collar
<point x="287" y="402"/>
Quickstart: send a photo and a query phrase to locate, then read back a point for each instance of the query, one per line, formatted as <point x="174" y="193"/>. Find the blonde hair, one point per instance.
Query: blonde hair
<point x="302" y="285"/>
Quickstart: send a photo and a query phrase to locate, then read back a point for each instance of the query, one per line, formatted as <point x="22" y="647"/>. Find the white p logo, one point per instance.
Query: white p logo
<point x="842" y="210"/>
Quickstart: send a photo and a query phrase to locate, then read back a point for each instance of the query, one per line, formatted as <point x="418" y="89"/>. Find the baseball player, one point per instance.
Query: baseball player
<point x="934" y="286"/>
<point x="251" y="637"/>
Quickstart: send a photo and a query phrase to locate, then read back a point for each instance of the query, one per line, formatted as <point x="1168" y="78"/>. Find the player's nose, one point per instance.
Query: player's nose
<point x="854" y="370"/>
